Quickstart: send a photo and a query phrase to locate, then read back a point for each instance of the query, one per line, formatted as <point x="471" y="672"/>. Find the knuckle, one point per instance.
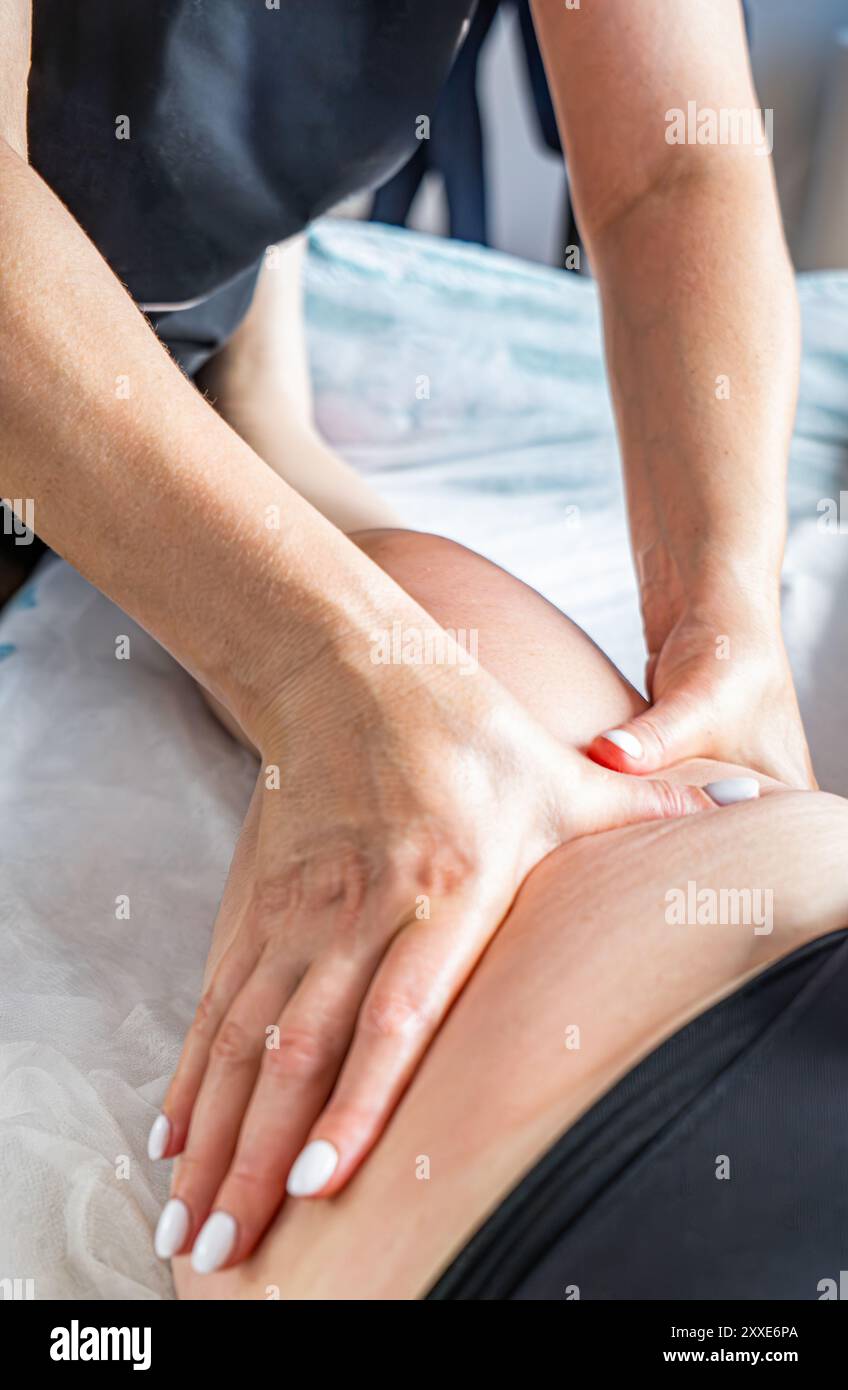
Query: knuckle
<point x="272" y="900"/>
<point x="202" y="1026"/>
<point x="672" y="800"/>
<point x="447" y="873"/>
<point x="300" y="1055"/>
<point x="233" y="1045"/>
<point x="394" y="1013"/>
<point x="431" y="864"/>
<point x="335" y="875"/>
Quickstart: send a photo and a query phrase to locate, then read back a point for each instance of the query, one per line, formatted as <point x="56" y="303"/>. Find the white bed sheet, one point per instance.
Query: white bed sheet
<point x="116" y="781"/>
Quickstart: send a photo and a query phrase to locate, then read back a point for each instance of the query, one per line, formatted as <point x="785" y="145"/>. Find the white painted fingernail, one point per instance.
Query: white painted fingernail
<point x="214" y="1244"/>
<point x="312" y="1169"/>
<point x="627" y="742"/>
<point x="171" y="1229"/>
<point x="157" y="1139"/>
<point x="732" y="789"/>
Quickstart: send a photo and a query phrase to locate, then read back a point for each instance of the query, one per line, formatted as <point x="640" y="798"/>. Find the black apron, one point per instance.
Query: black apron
<point x="244" y="122"/>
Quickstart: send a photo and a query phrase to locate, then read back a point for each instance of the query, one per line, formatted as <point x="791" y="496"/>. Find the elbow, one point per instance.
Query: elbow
<point x="727" y="203"/>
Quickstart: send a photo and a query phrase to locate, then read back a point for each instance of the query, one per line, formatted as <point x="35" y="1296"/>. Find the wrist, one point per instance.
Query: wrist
<point x="714" y="579"/>
<point x="326" y="668"/>
<point x="742" y="590"/>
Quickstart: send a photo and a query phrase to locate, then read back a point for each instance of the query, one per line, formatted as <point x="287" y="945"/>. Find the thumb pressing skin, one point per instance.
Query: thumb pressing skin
<point x="667" y="733"/>
<point x="630" y="800"/>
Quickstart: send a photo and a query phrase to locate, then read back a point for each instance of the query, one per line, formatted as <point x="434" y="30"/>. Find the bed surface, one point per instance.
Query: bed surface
<point x="468" y="386"/>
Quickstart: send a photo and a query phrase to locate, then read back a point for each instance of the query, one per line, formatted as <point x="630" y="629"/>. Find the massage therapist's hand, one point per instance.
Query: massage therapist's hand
<point x="720" y="686"/>
<point x="397" y="810"/>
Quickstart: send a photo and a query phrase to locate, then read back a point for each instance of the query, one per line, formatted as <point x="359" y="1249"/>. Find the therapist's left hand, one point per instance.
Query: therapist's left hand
<point x="720" y="687"/>
<point x="372" y="872"/>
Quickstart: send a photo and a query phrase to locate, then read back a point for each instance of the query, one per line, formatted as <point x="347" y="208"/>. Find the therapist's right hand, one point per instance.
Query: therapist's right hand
<point x="397" y="810"/>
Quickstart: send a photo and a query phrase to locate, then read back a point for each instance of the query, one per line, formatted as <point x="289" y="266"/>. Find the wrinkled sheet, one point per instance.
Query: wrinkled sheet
<point x="468" y="387"/>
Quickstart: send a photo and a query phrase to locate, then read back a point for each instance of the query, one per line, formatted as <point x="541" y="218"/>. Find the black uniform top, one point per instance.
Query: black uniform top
<point x="245" y="119"/>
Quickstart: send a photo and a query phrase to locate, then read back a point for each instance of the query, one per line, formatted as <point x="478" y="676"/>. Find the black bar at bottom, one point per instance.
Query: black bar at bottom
<point x="271" y="1338"/>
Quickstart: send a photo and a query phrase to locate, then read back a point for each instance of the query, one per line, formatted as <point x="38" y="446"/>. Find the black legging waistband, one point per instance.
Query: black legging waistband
<point x="716" y="1169"/>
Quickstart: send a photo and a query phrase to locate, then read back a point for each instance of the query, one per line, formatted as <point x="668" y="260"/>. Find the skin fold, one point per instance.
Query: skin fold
<point x="585" y="943"/>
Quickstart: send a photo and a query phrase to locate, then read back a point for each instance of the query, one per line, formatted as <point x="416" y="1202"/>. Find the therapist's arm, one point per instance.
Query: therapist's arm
<point x="259" y="383"/>
<point x="132" y="476"/>
<point x="702" y="343"/>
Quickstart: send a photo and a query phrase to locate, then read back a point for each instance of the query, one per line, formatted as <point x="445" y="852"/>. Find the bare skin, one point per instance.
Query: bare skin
<point x="398" y="777"/>
<point x="259" y="383"/>
<point x="586" y="942"/>
<point x="704" y="469"/>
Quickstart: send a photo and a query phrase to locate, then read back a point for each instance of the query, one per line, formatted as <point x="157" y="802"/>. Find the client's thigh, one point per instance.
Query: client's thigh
<point x="582" y="946"/>
<point x="587" y="946"/>
<point x="542" y="658"/>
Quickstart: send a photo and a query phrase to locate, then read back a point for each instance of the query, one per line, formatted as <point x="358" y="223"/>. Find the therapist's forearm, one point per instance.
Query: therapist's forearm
<point x="702" y="338"/>
<point x="136" y="480"/>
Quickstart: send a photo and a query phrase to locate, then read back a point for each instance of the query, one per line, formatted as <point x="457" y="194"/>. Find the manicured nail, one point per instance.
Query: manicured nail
<point x="627" y="742"/>
<point x="214" y="1244"/>
<point x="312" y="1169"/>
<point x="732" y="789"/>
<point x="172" y="1229"/>
<point x="157" y="1139"/>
